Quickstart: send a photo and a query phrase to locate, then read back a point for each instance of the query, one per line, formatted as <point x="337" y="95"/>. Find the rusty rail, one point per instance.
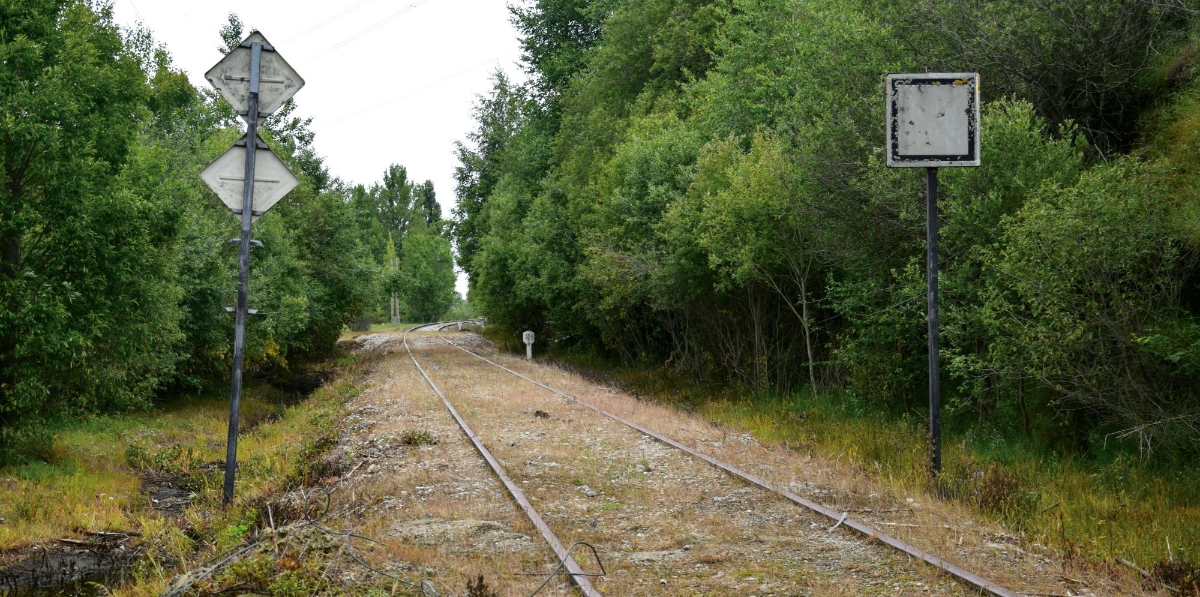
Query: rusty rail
<point x="578" y="576"/>
<point x="958" y="572"/>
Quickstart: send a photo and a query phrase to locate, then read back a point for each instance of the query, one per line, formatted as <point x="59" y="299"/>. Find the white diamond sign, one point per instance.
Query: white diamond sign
<point x="278" y="81"/>
<point x="227" y="177"/>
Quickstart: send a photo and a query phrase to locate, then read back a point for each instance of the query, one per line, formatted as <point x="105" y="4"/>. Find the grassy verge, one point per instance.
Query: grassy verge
<point x="104" y="470"/>
<point x="1095" y="511"/>
<point x="393" y="327"/>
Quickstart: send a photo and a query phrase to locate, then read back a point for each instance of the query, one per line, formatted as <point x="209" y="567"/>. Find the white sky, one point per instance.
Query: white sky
<point x="386" y="81"/>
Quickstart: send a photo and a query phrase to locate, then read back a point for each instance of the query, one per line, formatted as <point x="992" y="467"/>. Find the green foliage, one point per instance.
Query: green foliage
<point x="461" y="309"/>
<point x="556" y="35"/>
<point x="1082" y="291"/>
<point x="701" y="184"/>
<point x="427" y="271"/>
<point x="1095" y="62"/>
<point x="400" y="221"/>
<point x="116" y="268"/>
<point x="81" y="259"/>
<point x="418" y="437"/>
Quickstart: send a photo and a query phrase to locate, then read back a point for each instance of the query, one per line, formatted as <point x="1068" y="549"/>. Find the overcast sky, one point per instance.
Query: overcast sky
<point x="386" y="81"/>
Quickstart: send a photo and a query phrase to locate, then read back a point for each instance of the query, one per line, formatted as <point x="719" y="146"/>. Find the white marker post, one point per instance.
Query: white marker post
<point x="528" y="338"/>
<point x="932" y="122"/>
<point x="249" y="179"/>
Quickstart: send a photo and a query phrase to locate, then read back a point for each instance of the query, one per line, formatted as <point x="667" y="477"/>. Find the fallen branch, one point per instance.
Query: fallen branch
<point x="839" y="523"/>
<point x="110" y="534"/>
<point x="1133" y="566"/>
<point x="353" y="470"/>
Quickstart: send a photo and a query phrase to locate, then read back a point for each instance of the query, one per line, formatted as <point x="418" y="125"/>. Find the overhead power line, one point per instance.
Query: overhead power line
<point x="381" y="23"/>
<point x="417" y="90"/>
<point x="326" y="21"/>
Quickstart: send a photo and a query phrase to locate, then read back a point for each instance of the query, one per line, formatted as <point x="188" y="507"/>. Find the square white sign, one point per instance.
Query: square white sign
<point x="932" y="120"/>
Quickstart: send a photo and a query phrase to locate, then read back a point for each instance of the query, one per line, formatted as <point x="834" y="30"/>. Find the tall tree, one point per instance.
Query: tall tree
<point x="425" y="203"/>
<point x="394" y="200"/>
<point x="76" y="252"/>
<point x="426" y="273"/>
<point x="500" y="116"/>
<point x="556" y="34"/>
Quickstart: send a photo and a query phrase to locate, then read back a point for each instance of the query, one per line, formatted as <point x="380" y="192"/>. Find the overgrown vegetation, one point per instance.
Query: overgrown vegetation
<point x="115" y="268"/>
<point x="108" y="473"/>
<point x="700" y="185"/>
<point x="1108" y="506"/>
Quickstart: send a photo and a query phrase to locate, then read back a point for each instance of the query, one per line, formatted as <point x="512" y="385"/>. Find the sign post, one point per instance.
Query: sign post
<point x="255" y="80"/>
<point x="528" y="338"/>
<point x="932" y="122"/>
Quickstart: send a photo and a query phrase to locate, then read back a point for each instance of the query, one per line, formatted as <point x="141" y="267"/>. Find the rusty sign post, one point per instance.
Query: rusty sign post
<point x="249" y="178"/>
<point x="932" y="122"/>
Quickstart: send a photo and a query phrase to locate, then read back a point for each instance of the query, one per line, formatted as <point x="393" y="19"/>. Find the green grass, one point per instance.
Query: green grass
<point x="382" y="327"/>
<point x="92" y="482"/>
<point x="1100" y="507"/>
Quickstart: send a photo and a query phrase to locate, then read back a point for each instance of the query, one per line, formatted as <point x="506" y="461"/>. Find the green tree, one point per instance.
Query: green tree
<point x="500" y="117"/>
<point x="426" y="273"/>
<point x="1077" y="288"/>
<point x="87" y="318"/>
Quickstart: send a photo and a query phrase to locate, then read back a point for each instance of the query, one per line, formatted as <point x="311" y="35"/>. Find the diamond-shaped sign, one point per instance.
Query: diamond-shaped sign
<point x="227" y="177"/>
<point x="277" y="80"/>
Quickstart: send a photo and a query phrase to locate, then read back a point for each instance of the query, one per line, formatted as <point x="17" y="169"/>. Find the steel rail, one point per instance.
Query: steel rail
<point x="578" y="576"/>
<point x="958" y="572"/>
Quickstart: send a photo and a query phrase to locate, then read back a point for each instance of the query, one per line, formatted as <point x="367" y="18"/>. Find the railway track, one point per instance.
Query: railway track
<point x="869" y="532"/>
<point x="578" y="577"/>
<point x="444" y="366"/>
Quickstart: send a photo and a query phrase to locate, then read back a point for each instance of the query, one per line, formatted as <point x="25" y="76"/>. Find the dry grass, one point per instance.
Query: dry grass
<point x="665" y="523"/>
<point x="851" y="469"/>
<point x="436" y="506"/>
<point x="95" y="481"/>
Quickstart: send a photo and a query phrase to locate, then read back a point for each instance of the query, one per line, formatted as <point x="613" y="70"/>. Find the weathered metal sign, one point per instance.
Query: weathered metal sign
<point x="227" y="178"/>
<point x="249" y="178"/>
<point x="277" y="81"/>
<point x="932" y="120"/>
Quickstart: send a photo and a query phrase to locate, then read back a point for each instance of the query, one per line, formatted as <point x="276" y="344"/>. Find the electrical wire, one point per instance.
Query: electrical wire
<point x="412" y="92"/>
<point x="381" y="23"/>
<point x="425" y="586"/>
<point x="562" y="563"/>
<point x="325" y="22"/>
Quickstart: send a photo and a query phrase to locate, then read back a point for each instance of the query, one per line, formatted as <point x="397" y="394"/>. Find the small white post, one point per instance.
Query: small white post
<point x="528" y="338"/>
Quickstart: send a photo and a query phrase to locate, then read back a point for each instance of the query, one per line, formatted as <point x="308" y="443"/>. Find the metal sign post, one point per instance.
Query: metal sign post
<point x="239" y="326"/>
<point x="932" y="122"/>
<point x="931" y="278"/>
<point x="255" y="84"/>
<point x="528" y="338"/>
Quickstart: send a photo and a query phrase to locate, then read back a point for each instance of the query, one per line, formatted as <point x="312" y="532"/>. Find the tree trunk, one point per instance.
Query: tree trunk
<point x="804" y="323"/>
<point x="10" y="244"/>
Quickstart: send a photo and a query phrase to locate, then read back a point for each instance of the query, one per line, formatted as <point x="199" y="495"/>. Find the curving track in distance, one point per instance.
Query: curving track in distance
<point x="966" y="576"/>
<point x="567" y="561"/>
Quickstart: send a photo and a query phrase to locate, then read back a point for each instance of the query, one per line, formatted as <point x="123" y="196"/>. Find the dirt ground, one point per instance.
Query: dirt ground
<point x="663" y="522"/>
